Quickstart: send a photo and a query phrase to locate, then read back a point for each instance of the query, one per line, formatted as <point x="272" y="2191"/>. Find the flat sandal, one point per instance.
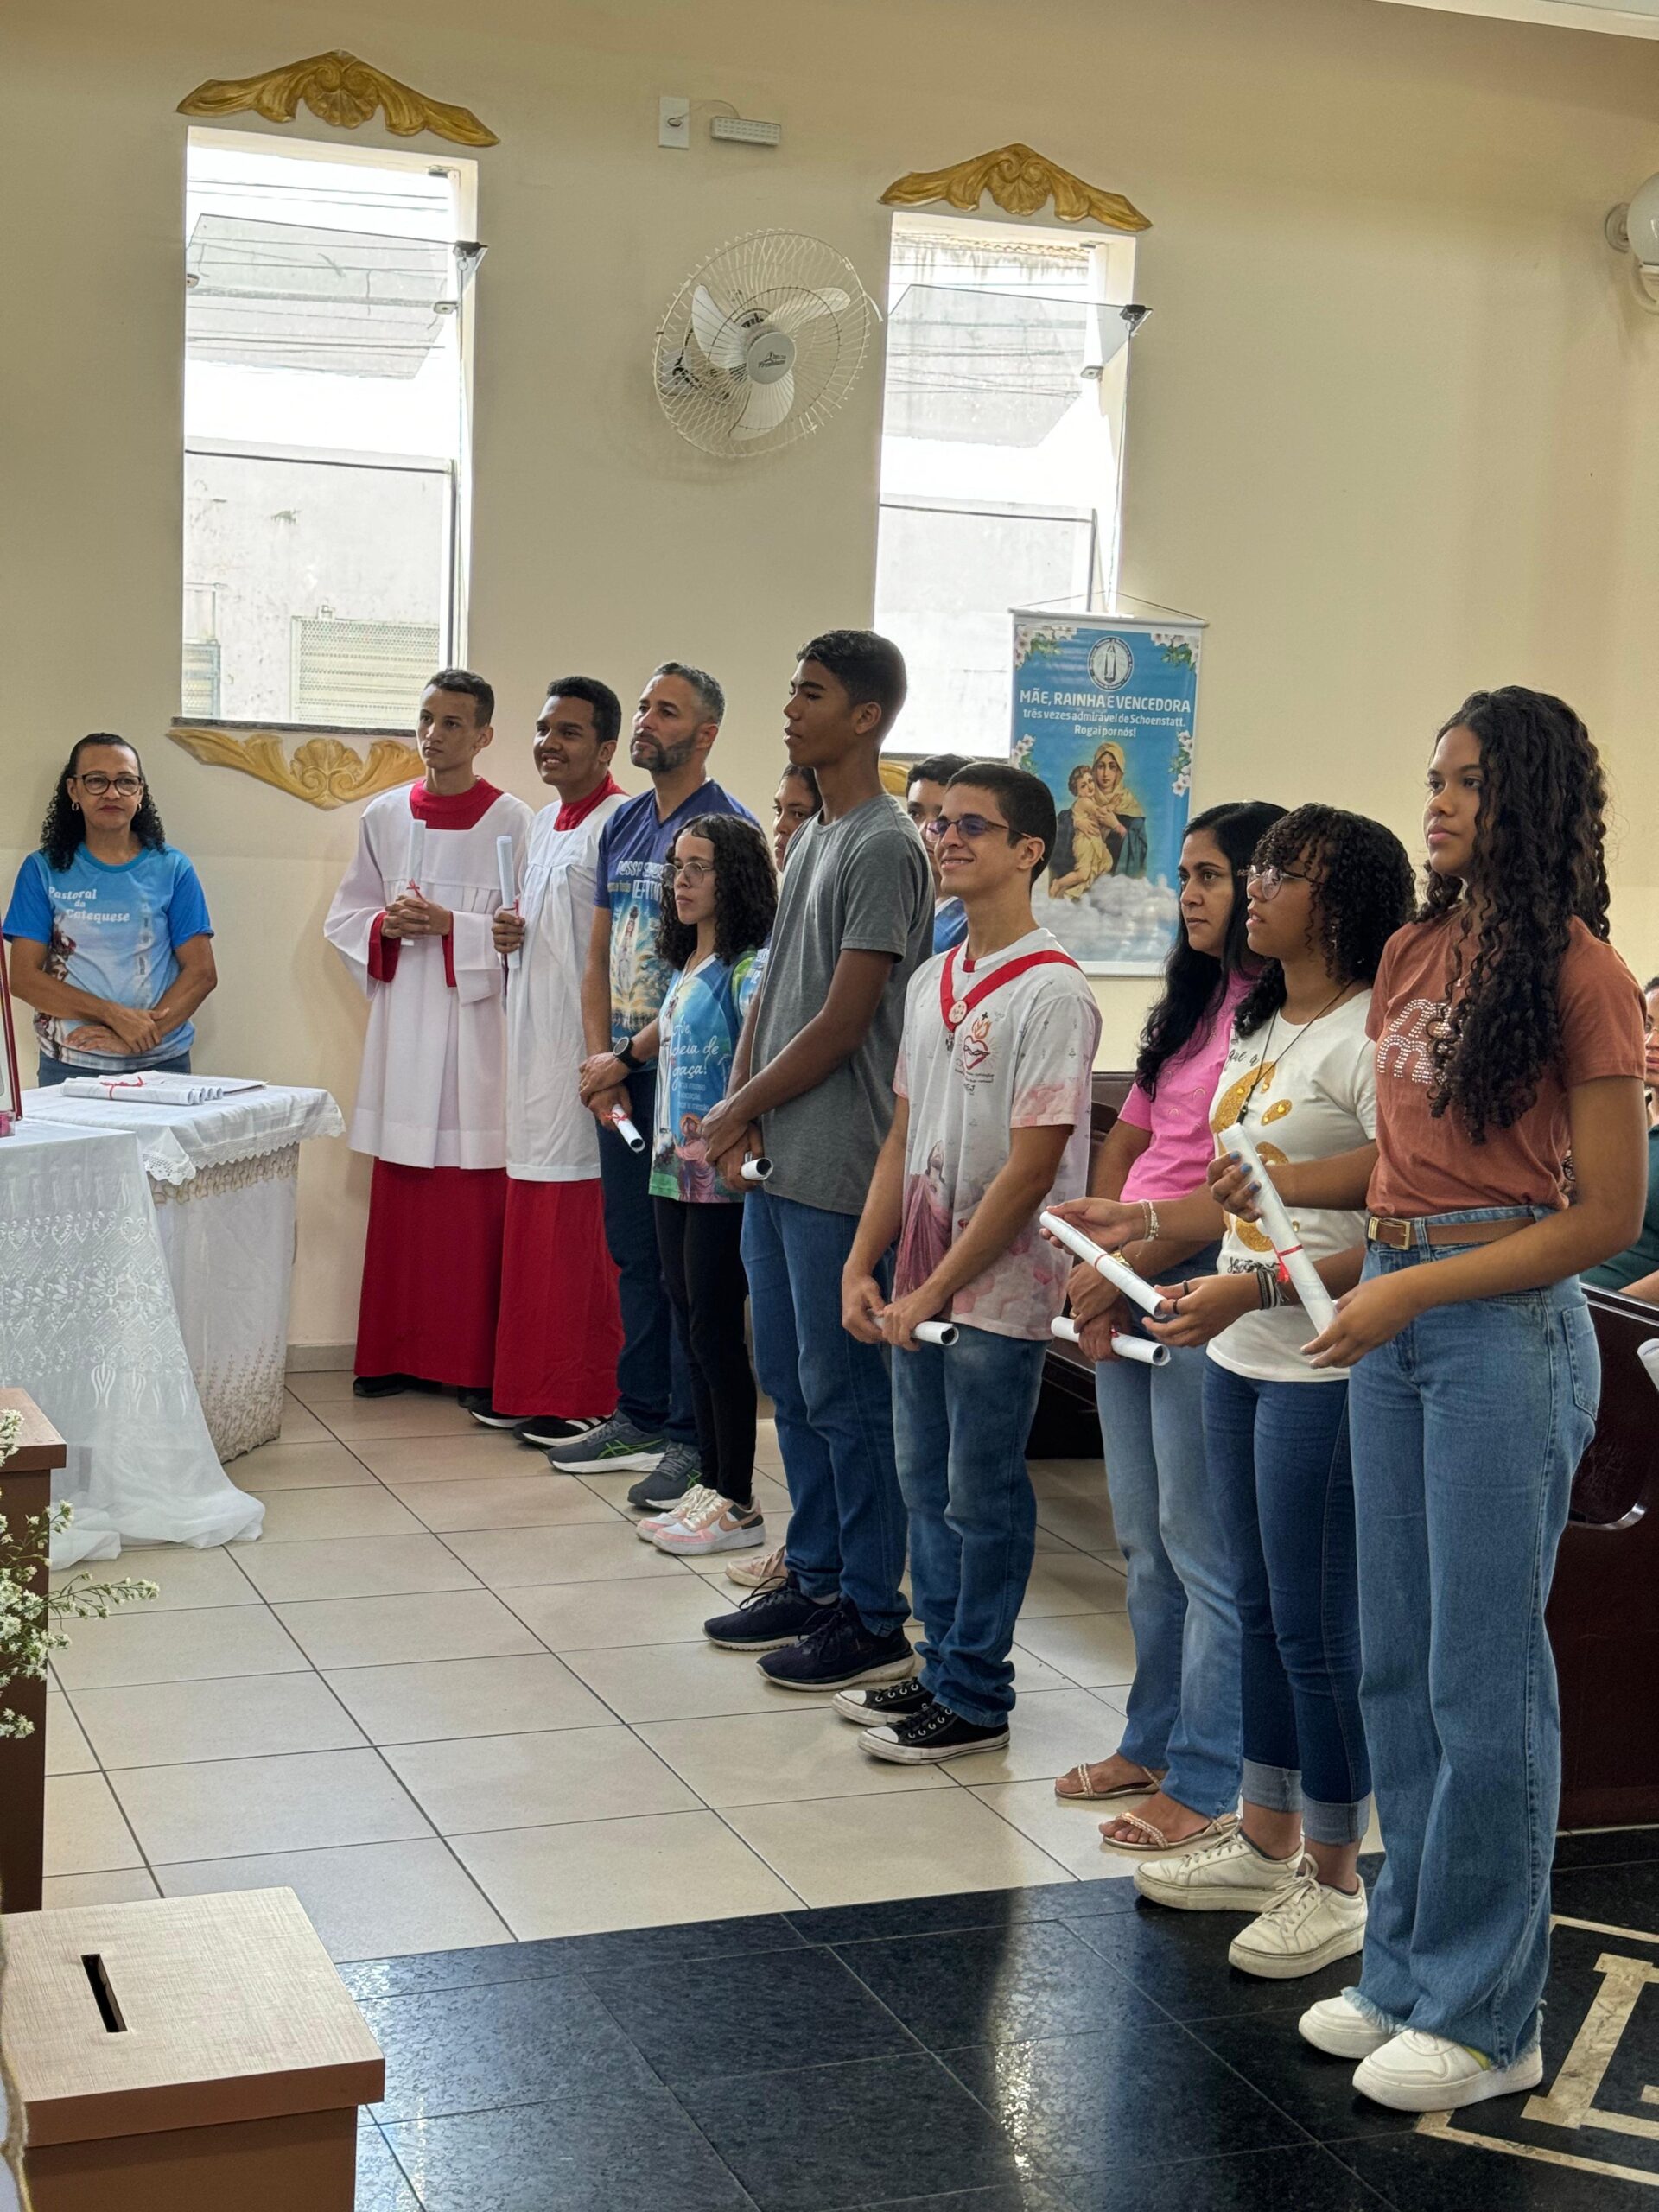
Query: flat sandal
<point x="1159" y="1846"/>
<point x="1086" y="1794"/>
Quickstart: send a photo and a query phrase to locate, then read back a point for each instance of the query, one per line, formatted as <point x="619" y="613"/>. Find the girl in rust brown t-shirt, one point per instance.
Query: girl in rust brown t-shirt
<point x="1509" y="1036"/>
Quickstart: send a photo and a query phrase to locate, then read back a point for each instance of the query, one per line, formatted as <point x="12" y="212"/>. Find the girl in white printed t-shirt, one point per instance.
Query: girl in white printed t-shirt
<point x="1326" y="890"/>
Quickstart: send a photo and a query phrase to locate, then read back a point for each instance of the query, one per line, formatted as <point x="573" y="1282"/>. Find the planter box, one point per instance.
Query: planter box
<point x="186" y="2054"/>
<point x="25" y="1488"/>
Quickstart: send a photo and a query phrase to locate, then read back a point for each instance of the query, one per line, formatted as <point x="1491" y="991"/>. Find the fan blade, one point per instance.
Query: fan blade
<point x="716" y="333"/>
<point x="828" y="301"/>
<point x="769" y="405"/>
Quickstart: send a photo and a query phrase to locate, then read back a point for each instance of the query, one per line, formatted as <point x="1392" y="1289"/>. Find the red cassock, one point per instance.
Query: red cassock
<point x="560" y="1332"/>
<point x="432" y="1274"/>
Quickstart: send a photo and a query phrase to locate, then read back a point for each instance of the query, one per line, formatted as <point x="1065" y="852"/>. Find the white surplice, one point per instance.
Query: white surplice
<point x="434" y="1081"/>
<point x="551" y="1136"/>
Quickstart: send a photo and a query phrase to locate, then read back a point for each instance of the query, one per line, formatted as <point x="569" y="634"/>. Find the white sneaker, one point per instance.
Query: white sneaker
<point x="698" y="1496"/>
<point x="714" y="1525"/>
<point x="1304" y="1928"/>
<point x="1228" y="1874"/>
<point x="1344" y="2030"/>
<point x="1417" y="2072"/>
<point x="768" y="1573"/>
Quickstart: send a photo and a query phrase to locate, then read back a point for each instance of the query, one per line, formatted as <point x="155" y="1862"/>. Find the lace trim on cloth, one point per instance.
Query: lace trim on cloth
<point x="243" y="1401"/>
<point x="281" y="1165"/>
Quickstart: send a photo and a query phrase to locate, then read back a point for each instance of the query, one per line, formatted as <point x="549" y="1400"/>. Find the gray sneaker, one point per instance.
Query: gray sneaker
<point x="677" y="1472"/>
<point x="616" y="1446"/>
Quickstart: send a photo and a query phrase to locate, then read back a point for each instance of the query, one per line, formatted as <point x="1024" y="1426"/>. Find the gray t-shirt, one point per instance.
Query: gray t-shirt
<point x="860" y="884"/>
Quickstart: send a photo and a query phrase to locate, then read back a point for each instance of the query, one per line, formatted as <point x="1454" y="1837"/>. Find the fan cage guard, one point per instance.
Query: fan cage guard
<point x="767" y="278"/>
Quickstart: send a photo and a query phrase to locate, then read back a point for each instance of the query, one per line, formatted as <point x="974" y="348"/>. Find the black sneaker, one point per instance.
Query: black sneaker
<point x="767" y="1621"/>
<point x="546" y="1430"/>
<point x="838" y="1651"/>
<point x="473" y="1402"/>
<point x="389" y="1386"/>
<point x="678" y="1471"/>
<point x="483" y="1412"/>
<point x="874" y="1708"/>
<point x="927" y="1738"/>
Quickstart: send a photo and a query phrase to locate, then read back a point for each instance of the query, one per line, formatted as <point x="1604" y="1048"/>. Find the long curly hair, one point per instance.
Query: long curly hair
<point x="64" y="830"/>
<point x="746" y="892"/>
<point x="1363" y="891"/>
<point x="1195" y="982"/>
<point x="1539" y="859"/>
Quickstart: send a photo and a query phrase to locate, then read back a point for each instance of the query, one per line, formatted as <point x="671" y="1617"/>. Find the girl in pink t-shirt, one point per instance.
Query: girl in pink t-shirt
<point x="1184" y="1709"/>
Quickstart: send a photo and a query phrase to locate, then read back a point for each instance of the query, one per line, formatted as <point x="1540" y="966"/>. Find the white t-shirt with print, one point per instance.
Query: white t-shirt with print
<point x="1023" y="1058"/>
<point x="1315" y="1094"/>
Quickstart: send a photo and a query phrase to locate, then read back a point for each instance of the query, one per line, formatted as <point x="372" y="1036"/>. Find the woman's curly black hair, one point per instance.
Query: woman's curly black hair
<point x="1539" y="860"/>
<point x="64" y="829"/>
<point x="1362" y="893"/>
<point x="1194" y="983"/>
<point x="746" y="892"/>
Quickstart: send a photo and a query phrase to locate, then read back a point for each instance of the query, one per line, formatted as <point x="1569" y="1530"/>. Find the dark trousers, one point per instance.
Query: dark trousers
<point x="702" y="1269"/>
<point x="654" y="1376"/>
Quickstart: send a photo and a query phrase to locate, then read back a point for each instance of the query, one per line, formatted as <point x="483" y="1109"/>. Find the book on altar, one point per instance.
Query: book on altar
<point x="159" y="1090"/>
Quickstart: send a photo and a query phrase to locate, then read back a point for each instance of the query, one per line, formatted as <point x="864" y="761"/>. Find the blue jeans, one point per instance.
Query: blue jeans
<point x="834" y="1405"/>
<point x="1184" y="1707"/>
<point x="653" y="1373"/>
<point x="960" y="1421"/>
<point x="1284" y="1487"/>
<point x="1467" y="1429"/>
<point x="61" y="1071"/>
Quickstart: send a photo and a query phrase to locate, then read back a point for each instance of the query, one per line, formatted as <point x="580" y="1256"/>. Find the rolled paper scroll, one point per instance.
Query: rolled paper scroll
<point x="627" y="1131"/>
<point x="416" y="864"/>
<point x="756" y="1170"/>
<point x="1317" y="1302"/>
<point x="506" y="870"/>
<point x="936" y="1332"/>
<point x="1123" y="1347"/>
<point x="1116" y="1272"/>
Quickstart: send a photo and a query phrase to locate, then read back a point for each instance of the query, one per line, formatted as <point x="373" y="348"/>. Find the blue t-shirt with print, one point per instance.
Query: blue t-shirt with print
<point x="950" y="924"/>
<point x="697" y="1033"/>
<point x="112" y="930"/>
<point x="632" y="847"/>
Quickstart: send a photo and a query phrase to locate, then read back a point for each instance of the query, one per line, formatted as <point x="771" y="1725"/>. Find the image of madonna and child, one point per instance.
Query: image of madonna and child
<point x="1396" y="1483"/>
<point x="1102" y="832"/>
<point x="713" y="926"/>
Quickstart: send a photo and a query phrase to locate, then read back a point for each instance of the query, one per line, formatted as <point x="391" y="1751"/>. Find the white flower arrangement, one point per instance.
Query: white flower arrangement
<point x="27" y="1637"/>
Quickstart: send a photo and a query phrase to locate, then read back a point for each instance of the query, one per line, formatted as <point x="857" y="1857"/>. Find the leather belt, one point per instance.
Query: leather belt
<point x="1404" y="1236"/>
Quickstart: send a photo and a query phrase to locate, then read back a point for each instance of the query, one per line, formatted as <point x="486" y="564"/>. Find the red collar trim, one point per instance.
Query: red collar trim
<point x="452" y="810"/>
<point x="573" y="812"/>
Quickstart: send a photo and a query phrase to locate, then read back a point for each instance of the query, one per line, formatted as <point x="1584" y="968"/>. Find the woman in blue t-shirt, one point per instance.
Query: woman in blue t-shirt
<point x="720" y="897"/>
<point x="111" y="944"/>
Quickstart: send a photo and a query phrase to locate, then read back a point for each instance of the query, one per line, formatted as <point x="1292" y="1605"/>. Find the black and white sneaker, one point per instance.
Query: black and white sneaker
<point x="677" y="1474"/>
<point x="893" y="1701"/>
<point x="767" y="1621"/>
<point x="546" y="1430"/>
<point x="932" y="1735"/>
<point x="483" y="1412"/>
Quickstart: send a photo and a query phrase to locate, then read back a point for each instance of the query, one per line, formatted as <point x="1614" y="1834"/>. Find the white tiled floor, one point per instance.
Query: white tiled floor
<point x="451" y="1700"/>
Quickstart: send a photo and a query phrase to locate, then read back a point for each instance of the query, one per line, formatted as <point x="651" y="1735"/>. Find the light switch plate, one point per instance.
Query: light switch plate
<point x="674" y="121"/>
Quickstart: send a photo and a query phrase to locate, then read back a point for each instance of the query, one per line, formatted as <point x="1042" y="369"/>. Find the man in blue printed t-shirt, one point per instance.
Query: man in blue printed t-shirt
<point x="652" y="1430"/>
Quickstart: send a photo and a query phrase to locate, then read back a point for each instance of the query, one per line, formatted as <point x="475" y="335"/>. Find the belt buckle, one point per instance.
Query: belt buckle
<point x="1387" y="1228"/>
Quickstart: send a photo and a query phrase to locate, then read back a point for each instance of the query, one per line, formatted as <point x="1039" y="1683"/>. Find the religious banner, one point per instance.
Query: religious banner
<point x="1103" y="711"/>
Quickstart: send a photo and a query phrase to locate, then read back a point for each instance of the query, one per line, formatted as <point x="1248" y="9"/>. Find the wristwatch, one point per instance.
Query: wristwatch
<point x="624" y="1052"/>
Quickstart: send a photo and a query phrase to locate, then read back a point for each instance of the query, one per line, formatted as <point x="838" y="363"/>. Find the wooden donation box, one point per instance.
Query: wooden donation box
<point x="186" y="2054"/>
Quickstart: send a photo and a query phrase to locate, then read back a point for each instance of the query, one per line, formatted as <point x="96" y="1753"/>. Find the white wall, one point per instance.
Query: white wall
<point x="1392" y="427"/>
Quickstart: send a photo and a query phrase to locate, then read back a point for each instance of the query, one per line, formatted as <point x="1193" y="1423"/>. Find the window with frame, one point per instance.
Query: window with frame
<point x="1000" y="454"/>
<point x="326" y="370"/>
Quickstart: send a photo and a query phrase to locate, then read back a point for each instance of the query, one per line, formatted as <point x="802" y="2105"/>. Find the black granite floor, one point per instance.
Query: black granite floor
<point x="1068" y="2048"/>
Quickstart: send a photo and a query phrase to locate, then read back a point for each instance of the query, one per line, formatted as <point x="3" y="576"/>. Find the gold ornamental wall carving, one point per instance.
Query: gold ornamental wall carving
<point x="340" y="90"/>
<point x="324" y="771"/>
<point x="1022" y="182"/>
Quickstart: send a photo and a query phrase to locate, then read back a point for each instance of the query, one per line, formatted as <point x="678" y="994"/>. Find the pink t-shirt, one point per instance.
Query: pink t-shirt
<point x="1182" y="1147"/>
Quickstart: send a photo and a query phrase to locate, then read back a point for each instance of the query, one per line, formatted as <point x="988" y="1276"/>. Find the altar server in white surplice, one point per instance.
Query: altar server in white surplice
<point x="561" y="1327"/>
<point x="412" y="921"/>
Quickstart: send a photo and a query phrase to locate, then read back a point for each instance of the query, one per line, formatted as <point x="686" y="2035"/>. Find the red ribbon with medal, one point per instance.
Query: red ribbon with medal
<point x="955" y="1007"/>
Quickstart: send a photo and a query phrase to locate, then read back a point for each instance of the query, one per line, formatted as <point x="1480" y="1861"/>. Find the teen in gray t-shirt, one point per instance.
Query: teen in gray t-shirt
<point x="860" y="884"/>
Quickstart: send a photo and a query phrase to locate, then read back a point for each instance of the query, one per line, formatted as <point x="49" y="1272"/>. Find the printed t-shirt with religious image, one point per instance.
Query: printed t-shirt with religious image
<point x="112" y="930"/>
<point x="1310" y="1088"/>
<point x="631" y="851"/>
<point x="1177" y="1114"/>
<point x="697" y="1035"/>
<point x="1023" y="1057"/>
<point x="1429" y="1165"/>
<point x="858" y="884"/>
